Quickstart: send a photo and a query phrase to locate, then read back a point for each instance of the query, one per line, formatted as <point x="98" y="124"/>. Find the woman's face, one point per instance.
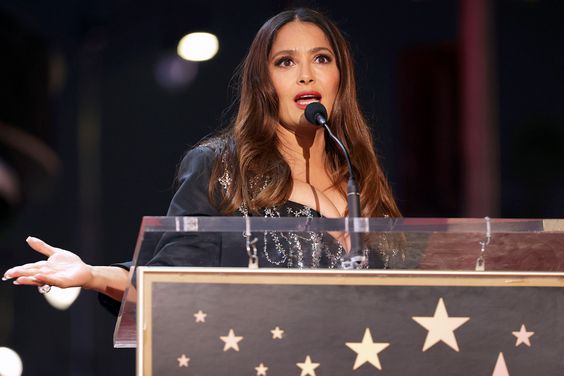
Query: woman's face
<point x="303" y="69"/>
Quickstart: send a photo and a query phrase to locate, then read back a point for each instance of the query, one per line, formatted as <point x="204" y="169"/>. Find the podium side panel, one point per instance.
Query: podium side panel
<point x="320" y="314"/>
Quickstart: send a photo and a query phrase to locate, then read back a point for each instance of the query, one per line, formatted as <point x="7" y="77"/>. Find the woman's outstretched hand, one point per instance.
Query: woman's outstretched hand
<point x="62" y="268"/>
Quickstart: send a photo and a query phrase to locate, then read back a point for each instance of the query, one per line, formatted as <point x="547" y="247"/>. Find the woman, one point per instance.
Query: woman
<point x="270" y="162"/>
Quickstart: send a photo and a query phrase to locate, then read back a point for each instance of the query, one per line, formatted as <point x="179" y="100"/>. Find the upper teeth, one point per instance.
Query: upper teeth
<point x="307" y="96"/>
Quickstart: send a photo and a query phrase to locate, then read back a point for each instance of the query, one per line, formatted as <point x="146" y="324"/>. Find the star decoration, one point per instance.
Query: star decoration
<point x="183" y="361"/>
<point x="231" y="341"/>
<point x="367" y="351"/>
<point x="307" y="367"/>
<point x="523" y="336"/>
<point x="440" y="327"/>
<point x="500" y="366"/>
<point x="277" y="333"/>
<point x="261" y="370"/>
<point x="200" y="316"/>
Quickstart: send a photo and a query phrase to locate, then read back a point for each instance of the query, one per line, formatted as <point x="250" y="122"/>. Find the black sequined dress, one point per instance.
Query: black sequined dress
<point x="275" y="249"/>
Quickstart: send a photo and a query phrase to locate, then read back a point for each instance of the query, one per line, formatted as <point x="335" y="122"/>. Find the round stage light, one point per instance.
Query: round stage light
<point x="198" y="46"/>
<point x="10" y="362"/>
<point x="62" y="298"/>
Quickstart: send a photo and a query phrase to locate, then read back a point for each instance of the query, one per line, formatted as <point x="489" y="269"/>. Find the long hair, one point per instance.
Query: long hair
<point x="259" y="175"/>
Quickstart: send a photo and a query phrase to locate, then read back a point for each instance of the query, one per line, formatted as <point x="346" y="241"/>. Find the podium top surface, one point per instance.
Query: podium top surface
<point x="387" y="224"/>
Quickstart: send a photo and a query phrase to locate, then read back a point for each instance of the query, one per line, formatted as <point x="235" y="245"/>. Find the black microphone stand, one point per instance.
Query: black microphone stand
<point x="316" y="114"/>
<point x="355" y="259"/>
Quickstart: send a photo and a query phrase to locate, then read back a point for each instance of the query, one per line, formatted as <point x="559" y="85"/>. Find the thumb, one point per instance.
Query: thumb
<point x="40" y="246"/>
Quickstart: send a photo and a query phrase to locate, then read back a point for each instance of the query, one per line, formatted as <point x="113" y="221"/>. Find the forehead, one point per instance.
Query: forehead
<point x="297" y="35"/>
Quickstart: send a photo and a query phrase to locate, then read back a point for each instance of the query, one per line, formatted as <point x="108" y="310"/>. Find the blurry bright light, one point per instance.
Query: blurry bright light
<point x="198" y="46"/>
<point x="10" y="362"/>
<point x="62" y="298"/>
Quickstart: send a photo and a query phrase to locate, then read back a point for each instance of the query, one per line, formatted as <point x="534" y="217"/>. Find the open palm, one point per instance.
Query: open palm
<point x="62" y="268"/>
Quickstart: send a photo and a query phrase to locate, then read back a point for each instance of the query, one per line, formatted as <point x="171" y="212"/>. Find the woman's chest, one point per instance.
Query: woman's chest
<point x="320" y="196"/>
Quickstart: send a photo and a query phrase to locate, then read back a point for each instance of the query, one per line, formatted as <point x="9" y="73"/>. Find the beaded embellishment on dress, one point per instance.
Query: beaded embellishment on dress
<point x="294" y="249"/>
<point x="300" y="249"/>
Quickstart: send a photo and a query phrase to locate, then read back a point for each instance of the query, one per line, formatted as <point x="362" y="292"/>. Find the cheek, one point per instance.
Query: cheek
<point x="333" y="86"/>
<point x="279" y="87"/>
<point x="331" y="80"/>
<point x="336" y="82"/>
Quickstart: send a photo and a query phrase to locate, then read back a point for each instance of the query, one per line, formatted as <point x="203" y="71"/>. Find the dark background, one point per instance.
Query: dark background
<point x="80" y="79"/>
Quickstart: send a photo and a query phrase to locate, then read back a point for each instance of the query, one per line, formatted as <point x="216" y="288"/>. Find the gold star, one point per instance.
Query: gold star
<point x="231" y="341"/>
<point x="367" y="350"/>
<point x="183" y="361"/>
<point x="308" y="368"/>
<point x="440" y="327"/>
<point x="277" y="333"/>
<point x="261" y="370"/>
<point x="523" y="336"/>
<point x="500" y="366"/>
<point x="200" y="316"/>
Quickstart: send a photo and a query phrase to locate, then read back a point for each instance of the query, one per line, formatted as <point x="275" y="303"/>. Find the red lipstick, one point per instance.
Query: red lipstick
<point x="304" y="98"/>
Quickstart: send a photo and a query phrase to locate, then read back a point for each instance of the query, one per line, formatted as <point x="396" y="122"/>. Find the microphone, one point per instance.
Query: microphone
<point x="316" y="114"/>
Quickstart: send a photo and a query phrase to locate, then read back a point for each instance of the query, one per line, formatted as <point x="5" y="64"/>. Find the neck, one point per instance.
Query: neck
<point x="302" y="147"/>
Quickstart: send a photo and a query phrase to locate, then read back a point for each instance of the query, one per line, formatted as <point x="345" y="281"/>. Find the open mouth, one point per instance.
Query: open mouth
<point x="305" y="98"/>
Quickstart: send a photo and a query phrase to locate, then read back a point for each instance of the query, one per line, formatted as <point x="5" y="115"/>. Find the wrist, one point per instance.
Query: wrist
<point x="93" y="279"/>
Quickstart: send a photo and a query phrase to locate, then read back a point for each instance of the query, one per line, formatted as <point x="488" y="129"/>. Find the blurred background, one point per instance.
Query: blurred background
<point x="96" y="109"/>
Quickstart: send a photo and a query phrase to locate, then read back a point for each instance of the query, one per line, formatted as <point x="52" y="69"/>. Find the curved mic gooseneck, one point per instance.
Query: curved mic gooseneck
<point x="316" y="114"/>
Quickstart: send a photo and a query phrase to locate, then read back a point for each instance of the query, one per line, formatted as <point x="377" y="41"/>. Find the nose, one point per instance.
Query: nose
<point x="305" y="74"/>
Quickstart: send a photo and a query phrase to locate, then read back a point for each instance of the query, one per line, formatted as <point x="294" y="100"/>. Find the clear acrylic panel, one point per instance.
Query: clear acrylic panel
<point x="432" y="244"/>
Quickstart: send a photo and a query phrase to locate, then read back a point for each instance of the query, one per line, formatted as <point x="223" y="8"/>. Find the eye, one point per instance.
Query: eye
<point x="284" y="62"/>
<point x="323" y="59"/>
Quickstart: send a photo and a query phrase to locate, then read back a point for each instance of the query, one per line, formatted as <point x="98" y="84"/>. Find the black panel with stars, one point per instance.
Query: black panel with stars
<point x="312" y="329"/>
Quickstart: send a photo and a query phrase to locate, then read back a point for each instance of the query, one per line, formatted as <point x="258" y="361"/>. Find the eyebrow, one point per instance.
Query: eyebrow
<point x="312" y="50"/>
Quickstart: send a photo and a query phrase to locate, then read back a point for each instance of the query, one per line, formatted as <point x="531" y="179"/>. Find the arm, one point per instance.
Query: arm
<point x="191" y="199"/>
<point x="109" y="280"/>
<point x="65" y="269"/>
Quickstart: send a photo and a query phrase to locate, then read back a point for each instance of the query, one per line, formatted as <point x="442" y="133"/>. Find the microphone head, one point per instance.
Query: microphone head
<point x="314" y="111"/>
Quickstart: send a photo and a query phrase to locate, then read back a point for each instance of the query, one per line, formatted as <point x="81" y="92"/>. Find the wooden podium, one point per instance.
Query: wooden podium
<point x="440" y="316"/>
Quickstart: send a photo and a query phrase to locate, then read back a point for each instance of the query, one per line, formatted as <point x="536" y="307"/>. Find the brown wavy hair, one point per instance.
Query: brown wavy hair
<point x="248" y="148"/>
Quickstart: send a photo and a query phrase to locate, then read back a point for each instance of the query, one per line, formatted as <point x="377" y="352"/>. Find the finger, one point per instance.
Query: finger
<point x="30" y="281"/>
<point x="22" y="273"/>
<point x="43" y="279"/>
<point x="32" y="265"/>
<point x="40" y="246"/>
<point x="27" y="269"/>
